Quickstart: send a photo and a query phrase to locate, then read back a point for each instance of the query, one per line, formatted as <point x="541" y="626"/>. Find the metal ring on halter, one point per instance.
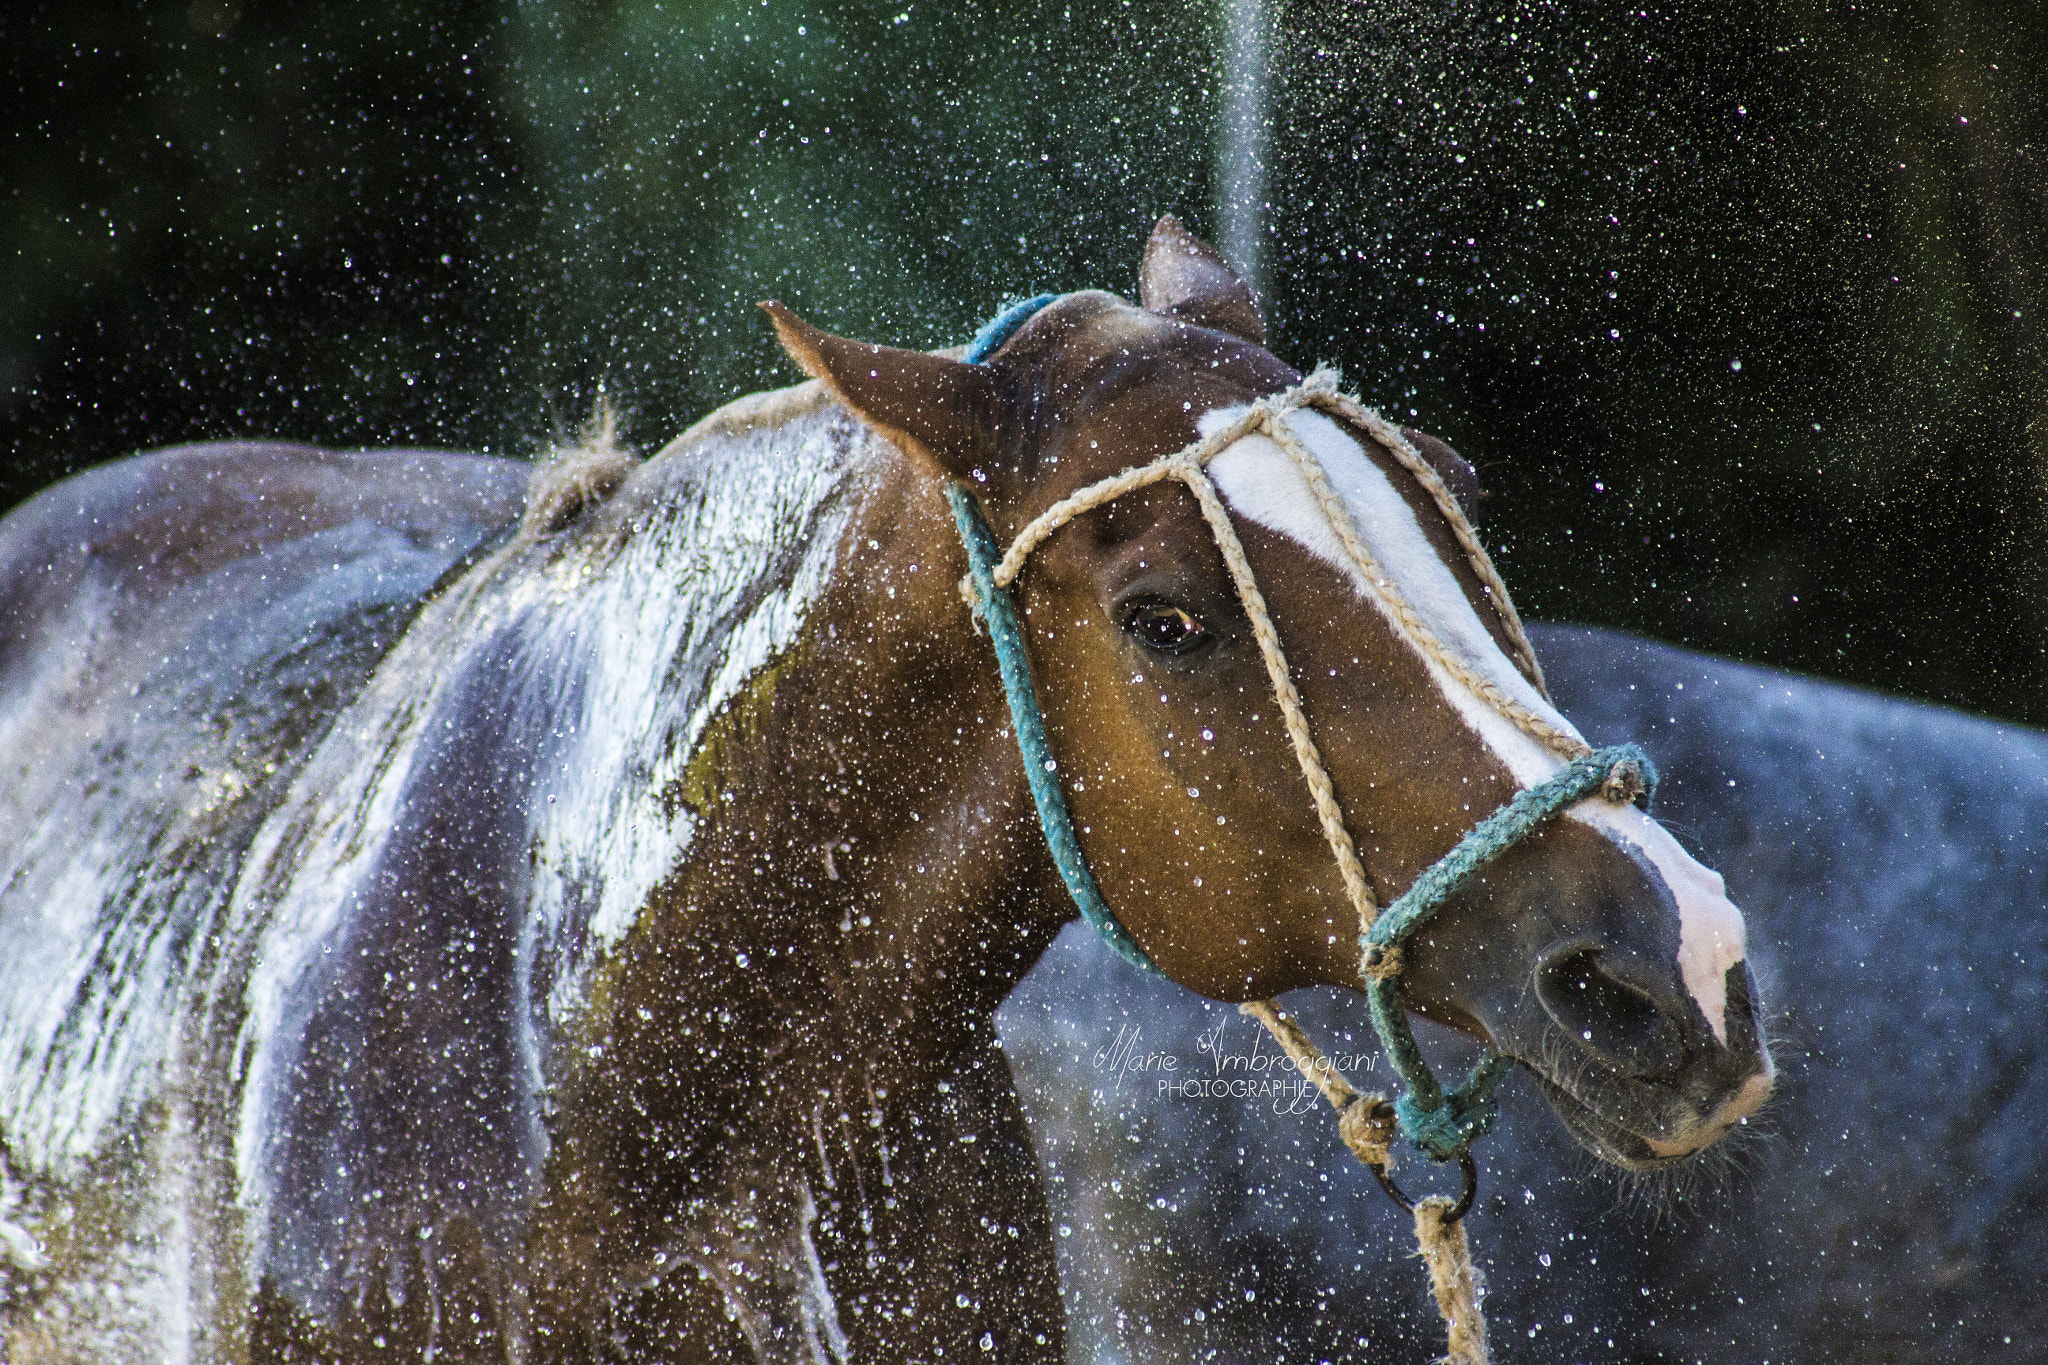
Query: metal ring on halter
<point x="1466" y="1165"/>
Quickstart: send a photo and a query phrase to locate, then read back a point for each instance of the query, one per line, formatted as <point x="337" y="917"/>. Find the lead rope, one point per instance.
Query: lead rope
<point x="1367" y="1125"/>
<point x="1442" y="1124"/>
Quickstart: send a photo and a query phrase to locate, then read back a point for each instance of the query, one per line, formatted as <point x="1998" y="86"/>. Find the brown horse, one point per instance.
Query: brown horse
<point x="580" y="940"/>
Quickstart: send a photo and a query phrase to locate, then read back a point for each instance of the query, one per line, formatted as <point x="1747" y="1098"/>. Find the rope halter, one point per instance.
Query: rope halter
<point x="1441" y="1123"/>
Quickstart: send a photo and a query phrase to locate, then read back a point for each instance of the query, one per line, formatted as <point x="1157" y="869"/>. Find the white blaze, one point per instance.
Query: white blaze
<point x="1258" y="480"/>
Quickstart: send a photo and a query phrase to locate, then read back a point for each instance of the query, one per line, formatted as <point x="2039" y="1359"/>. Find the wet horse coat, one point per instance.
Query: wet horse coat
<point x="371" y="1018"/>
<point x="581" y="938"/>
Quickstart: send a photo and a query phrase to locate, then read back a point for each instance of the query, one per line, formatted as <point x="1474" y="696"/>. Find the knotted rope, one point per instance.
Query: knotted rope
<point x="1367" y="1124"/>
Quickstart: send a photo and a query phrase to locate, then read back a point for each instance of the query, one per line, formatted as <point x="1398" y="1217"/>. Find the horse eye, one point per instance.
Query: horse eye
<point x="1164" y="628"/>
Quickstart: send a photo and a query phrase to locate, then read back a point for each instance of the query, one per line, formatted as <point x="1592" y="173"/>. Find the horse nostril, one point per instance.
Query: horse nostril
<point x="1619" y="1023"/>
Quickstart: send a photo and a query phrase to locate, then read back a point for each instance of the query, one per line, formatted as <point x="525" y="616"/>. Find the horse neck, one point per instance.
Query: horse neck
<point x="867" y="872"/>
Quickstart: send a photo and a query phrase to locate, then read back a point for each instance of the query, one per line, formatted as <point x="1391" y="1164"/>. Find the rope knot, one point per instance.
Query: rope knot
<point x="1381" y="961"/>
<point x="1629" y="780"/>
<point x="1458" y="1117"/>
<point x="1368" y="1127"/>
<point x="1323" y="380"/>
<point x="1269" y="412"/>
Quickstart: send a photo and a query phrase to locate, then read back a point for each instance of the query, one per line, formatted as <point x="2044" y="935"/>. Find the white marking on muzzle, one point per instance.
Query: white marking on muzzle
<point x="1710" y="928"/>
<point x="1259" y="481"/>
<point x="1745" y="1101"/>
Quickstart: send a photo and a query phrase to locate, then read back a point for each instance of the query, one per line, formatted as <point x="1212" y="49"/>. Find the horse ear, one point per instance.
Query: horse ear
<point x="933" y="407"/>
<point x="1453" y="468"/>
<point x="1184" y="277"/>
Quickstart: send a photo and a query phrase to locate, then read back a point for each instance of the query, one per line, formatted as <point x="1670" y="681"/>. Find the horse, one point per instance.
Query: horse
<point x="459" y="914"/>
<point x="1885" y="1207"/>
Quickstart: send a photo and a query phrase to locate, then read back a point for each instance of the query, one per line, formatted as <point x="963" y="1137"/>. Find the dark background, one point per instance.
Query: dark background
<point x="1550" y="231"/>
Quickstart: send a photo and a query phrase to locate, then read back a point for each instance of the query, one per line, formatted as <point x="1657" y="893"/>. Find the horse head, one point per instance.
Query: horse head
<point x="1595" y="952"/>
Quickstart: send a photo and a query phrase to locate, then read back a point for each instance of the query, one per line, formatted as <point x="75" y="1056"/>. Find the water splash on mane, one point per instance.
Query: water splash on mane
<point x="257" y="882"/>
<point x="590" y="664"/>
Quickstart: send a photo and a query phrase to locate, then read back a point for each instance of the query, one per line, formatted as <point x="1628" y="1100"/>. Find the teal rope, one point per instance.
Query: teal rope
<point x="1002" y="327"/>
<point x="995" y="607"/>
<point x="1440" y="1123"/>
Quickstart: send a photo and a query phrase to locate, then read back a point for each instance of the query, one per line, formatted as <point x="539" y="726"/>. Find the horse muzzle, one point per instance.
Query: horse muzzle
<point x="1630" y="1064"/>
